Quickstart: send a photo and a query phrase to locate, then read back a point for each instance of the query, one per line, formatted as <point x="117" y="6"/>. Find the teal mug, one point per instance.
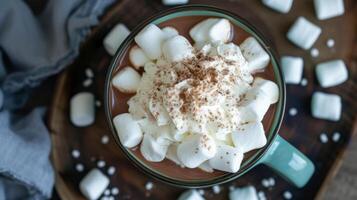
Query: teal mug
<point x="277" y="154"/>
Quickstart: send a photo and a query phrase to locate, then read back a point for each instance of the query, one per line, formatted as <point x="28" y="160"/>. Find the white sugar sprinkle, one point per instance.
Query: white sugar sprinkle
<point x="271" y="181"/>
<point x="104" y="139"/>
<point x="101" y="163"/>
<point x="216" y="189"/>
<point x="323" y="138"/>
<point x="265" y="183"/>
<point x="107" y="192"/>
<point x="336" y="136"/>
<point x="304" y="82"/>
<point x="111" y="170"/>
<point x="149" y="185"/>
<point x="87" y="82"/>
<point x="287" y="195"/>
<point x="115" y="191"/>
<point x="314" y="52"/>
<point x="75" y="153"/>
<point x="98" y="103"/>
<point x="293" y="111"/>
<point x="330" y="43"/>
<point x="79" y="167"/>
<point x="89" y="73"/>
<point x="202" y="192"/>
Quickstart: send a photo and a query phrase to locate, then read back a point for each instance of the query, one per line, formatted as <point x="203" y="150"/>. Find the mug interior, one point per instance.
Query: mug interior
<point x="218" y="177"/>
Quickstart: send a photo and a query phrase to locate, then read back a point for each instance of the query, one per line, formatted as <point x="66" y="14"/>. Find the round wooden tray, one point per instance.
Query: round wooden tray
<point x="301" y="130"/>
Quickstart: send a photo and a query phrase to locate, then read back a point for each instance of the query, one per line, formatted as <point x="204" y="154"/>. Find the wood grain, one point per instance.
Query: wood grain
<point x="302" y="130"/>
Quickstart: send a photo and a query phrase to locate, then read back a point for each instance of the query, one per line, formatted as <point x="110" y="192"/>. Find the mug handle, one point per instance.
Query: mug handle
<point x="288" y="162"/>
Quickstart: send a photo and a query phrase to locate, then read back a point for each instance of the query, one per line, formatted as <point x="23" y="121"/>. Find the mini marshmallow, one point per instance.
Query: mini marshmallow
<point x="115" y="37"/>
<point x="326" y="106"/>
<point x="128" y="130"/>
<point x="93" y="184"/>
<point x="177" y="48"/>
<point x="249" y="136"/>
<point x="292" y="69"/>
<point x="150" y="40"/>
<point x="205" y="166"/>
<point x="212" y="30"/>
<point x="331" y="73"/>
<point x="191" y="195"/>
<point x="230" y="52"/>
<point x="137" y="57"/>
<point x="248" y="192"/>
<point x="170" y="32"/>
<point x="326" y="9"/>
<point x="82" y="109"/>
<point x="254" y="106"/>
<point x="195" y="150"/>
<point x="159" y="112"/>
<point x="282" y="6"/>
<point x="255" y="54"/>
<point x="227" y="158"/>
<point x="270" y="88"/>
<point x="303" y="33"/>
<point x="127" y="80"/>
<point x="171" y="154"/>
<point x="174" y="2"/>
<point x="153" y="150"/>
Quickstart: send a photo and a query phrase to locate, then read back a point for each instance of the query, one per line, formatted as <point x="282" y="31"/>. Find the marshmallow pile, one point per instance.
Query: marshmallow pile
<point x="197" y="105"/>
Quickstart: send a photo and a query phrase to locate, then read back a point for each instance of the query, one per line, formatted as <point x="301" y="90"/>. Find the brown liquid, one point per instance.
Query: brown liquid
<point x="118" y="104"/>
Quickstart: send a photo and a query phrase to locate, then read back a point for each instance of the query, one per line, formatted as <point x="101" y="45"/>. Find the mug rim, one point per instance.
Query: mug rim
<point x="278" y="116"/>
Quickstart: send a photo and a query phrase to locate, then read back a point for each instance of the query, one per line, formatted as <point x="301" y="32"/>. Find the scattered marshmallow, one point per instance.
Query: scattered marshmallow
<point x="174" y="2"/>
<point x="314" y="52"/>
<point x="88" y="82"/>
<point x="152" y="149"/>
<point x="326" y="106"/>
<point x="265" y="183"/>
<point x="106" y="192"/>
<point x="114" y="191"/>
<point x="104" y="139"/>
<point x="111" y="198"/>
<point x="150" y="40"/>
<point x="76" y="153"/>
<point x="216" y="189"/>
<point x="255" y="54"/>
<point x="137" y="57"/>
<point x="261" y="195"/>
<point x="177" y="49"/>
<point x="98" y="103"/>
<point x="79" y="167"/>
<point x="287" y="195"/>
<point x="248" y="192"/>
<point x="205" y="166"/>
<point x="128" y="130"/>
<point x="196" y="149"/>
<point x="323" y="138"/>
<point x="326" y="9"/>
<point x="89" y="73"/>
<point x="282" y="6"/>
<point x="330" y="43"/>
<point x="111" y="170"/>
<point x="271" y="181"/>
<point x="304" y="82"/>
<point x="336" y="136"/>
<point x="82" y="112"/>
<point x="190" y="195"/>
<point x="254" y="106"/>
<point x="303" y="33"/>
<point x="270" y="88"/>
<point x="227" y="158"/>
<point x="231" y="188"/>
<point x="331" y="73"/>
<point x="202" y="192"/>
<point x="93" y="184"/>
<point x="213" y="30"/>
<point x="293" y="111"/>
<point x="101" y="163"/>
<point x="292" y="69"/>
<point x="249" y="136"/>
<point x="127" y="80"/>
<point x="115" y="37"/>
<point x="170" y="32"/>
<point x="149" y="185"/>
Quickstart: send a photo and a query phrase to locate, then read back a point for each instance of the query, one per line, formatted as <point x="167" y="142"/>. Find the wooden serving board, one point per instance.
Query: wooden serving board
<point x="301" y="130"/>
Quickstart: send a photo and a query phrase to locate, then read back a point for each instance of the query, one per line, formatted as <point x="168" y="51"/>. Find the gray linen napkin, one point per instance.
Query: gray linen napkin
<point x="32" y="48"/>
